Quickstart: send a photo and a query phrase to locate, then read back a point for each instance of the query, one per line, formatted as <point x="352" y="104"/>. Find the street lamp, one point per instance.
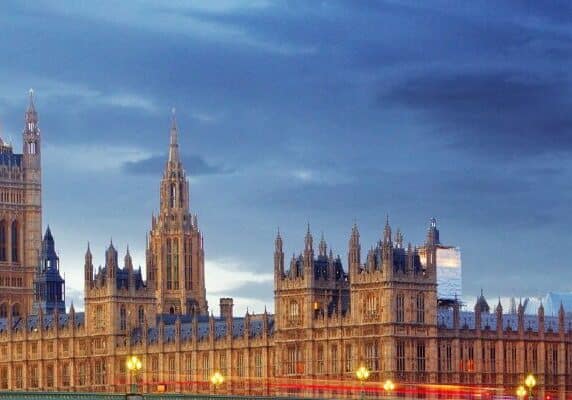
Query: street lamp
<point x="134" y="365"/>
<point x="530" y="383"/>
<point x="521" y="392"/>
<point x="217" y="379"/>
<point x="362" y="374"/>
<point x="388" y="386"/>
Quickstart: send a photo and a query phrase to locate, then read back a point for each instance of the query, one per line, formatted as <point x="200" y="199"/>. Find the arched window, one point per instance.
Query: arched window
<point x="15" y="242"/>
<point x="4" y="310"/>
<point x="16" y="310"/>
<point x="141" y="315"/>
<point x="122" y="318"/>
<point x="371" y="305"/>
<point x="294" y="312"/>
<point x="172" y="310"/>
<point x="3" y="240"/>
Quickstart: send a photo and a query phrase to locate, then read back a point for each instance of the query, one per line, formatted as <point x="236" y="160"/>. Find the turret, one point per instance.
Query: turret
<point x="541" y="319"/>
<point x="354" y="254"/>
<point x="432" y="233"/>
<point x="561" y="319"/>
<point x="387" y="249"/>
<point x="520" y="317"/>
<point x="111" y="261"/>
<point x="278" y="258"/>
<point x="323" y="247"/>
<point x="31" y="135"/>
<point x="499" y="317"/>
<point x="308" y="255"/>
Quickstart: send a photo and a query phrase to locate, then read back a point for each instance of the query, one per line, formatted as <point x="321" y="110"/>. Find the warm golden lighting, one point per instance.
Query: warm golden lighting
<point x="134" y="363"/>
<point x="362" y="374"/>
<point x="520" y="392"/>
<point x="217" y="379"/>
<point x="530" y="381"/>
<point x="388" y="386"/>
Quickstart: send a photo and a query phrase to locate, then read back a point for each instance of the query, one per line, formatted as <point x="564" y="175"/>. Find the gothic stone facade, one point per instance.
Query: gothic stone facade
<point x="381" y="312"/>
<point x="20" y="218"/>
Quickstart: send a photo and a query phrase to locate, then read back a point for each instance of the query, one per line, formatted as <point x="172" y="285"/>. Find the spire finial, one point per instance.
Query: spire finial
<point x="174" y="138"/>
<point x="31" y="94"/>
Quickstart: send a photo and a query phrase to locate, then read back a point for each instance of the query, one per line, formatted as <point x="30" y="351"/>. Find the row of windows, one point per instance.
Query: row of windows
<point x="173" y="262"/>
<point x="11" y="281"/>
<point x="8" y="196"/>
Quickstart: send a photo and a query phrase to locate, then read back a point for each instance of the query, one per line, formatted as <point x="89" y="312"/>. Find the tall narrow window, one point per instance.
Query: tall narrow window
<point x="400" y="308"/>
<point x="349" y="364"/>
<point x="172" y="195"/>
<point x="334" y="360"/>
<point x="400" y="356"/>
<point x="4" y="310"/>
<point x="3" y="240"/>
<point x="141" y="315"/>
<point x="420" y="308"/>
<point x="169" y="261"/>
<point x="320" y="359"/>
<point x="175" y="264"/>
<point x="122" y="318"/>
<point x="15" y="243"/>
<point x="420" y="357"/>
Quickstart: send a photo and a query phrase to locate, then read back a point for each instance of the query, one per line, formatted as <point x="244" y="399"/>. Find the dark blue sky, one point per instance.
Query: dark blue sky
<point x="296" y="111"/>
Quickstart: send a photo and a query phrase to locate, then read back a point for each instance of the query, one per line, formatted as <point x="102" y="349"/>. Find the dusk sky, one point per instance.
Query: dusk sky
<point x="303" y="111"/>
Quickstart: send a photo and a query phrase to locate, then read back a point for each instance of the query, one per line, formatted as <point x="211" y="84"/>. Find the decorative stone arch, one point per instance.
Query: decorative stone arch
<point x="16" y="310"/>
<point x="4" y="307"/>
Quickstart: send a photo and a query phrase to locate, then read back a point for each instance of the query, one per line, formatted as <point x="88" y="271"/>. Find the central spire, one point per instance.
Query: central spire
<point x="174" y="139"/>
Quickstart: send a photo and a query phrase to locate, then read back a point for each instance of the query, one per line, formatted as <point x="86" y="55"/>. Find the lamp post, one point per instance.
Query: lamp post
<point x="217" y="379"/>
<point x="134" y="365"/>
<point x="388" y="386"/>
<point x="521" y="392"/>
<point x="362" y="374"/>
<point x="530" y="383"/>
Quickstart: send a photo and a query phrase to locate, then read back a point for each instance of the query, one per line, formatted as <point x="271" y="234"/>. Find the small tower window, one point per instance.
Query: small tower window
<point x="141" y="315"/>
<point x="400" y="308"/>
<point x="15" y="242"/>
<point x="3" y="311"/>
<point x="2" y="240"/>
<point x="173" y="194"/>
<point x="122" y="318"/>
<point x="32" y="147"/>
<point x="420" y="308"/>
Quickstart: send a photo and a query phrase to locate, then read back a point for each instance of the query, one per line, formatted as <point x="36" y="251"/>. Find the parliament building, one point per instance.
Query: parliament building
<point x="379" y="310"/>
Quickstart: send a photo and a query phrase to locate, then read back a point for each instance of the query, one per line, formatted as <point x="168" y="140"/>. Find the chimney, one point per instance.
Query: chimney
<point x="226" y="307"/>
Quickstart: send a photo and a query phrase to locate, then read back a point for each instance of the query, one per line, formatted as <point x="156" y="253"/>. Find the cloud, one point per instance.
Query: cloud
<point x="194" y="165"/>
<point x="505" y="113"/>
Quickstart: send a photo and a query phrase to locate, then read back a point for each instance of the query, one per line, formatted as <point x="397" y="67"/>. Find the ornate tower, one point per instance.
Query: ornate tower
<point x="175" y="254"/>
<point x="20" y="217"/>
<point x="49" y="285"/>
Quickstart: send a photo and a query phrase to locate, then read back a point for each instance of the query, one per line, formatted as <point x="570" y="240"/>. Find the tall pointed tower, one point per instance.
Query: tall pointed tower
<point x="20" y="217"/>
<point x="175" y="254"/>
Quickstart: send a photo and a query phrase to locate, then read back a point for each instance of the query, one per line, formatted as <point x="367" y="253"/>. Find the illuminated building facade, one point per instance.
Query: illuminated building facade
<point x="381" y="312"/>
